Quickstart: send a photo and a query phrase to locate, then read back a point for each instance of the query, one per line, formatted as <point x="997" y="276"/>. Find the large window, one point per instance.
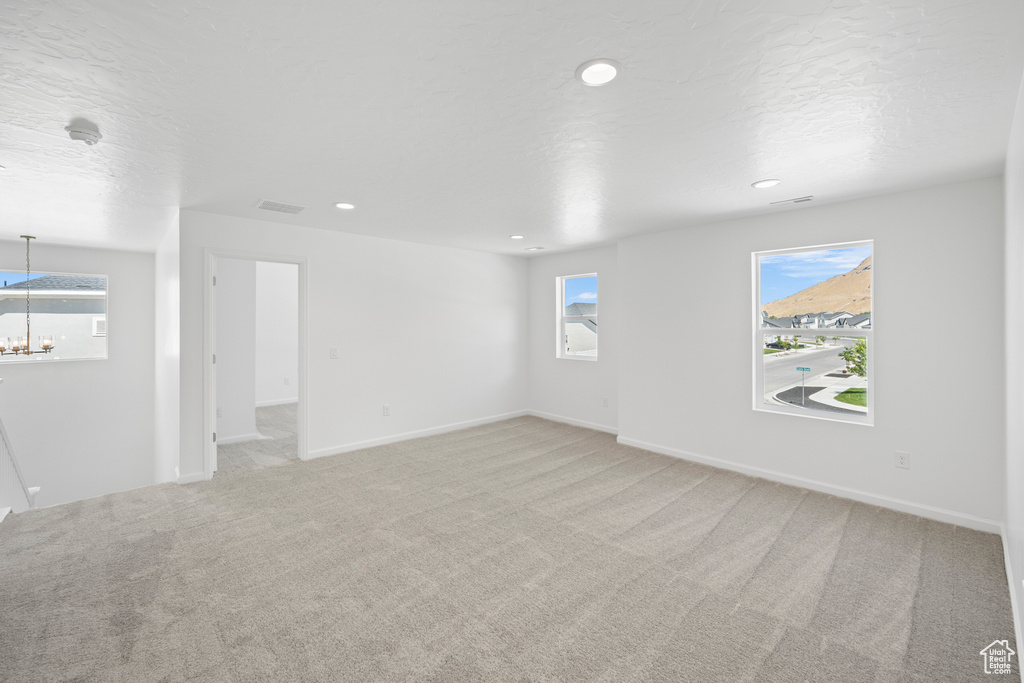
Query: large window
<point x="68" y="314"/>
<point x="577" y="317"/>
<point x="812" y="331"/>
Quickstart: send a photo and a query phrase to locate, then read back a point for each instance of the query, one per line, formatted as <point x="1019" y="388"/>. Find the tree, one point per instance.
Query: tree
<point x="835" y="341"/>
<point x="820" y="339"/>
<point x="856" y="358"/>
<point x="796" y="341"/>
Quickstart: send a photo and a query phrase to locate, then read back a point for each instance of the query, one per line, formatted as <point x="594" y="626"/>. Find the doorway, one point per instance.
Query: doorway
<point x="256" y="371"/>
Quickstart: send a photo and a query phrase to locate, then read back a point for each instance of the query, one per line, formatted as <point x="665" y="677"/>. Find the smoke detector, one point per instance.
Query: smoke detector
<point x="84" y="132"/>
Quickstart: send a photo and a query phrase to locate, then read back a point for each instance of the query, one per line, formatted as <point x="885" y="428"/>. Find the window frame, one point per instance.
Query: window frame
<point x="55" y="357"/>
<point x="562" y="319"/>
<point x="757" y="341"/>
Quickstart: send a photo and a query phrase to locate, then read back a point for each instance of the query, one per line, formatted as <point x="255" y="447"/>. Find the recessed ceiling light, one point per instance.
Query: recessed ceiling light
<point x="597" y="71"/>
<point x="517" y="237"/>
<point x="533" y="249"/>
<point x="768" y="182"/>
<point x="345" y="205"/>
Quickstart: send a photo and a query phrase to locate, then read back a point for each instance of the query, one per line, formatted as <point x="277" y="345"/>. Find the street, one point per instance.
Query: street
<point x="780" y="371"/>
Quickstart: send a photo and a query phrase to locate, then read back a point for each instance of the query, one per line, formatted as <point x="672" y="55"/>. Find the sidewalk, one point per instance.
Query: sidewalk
<point x="809" y="346"/>
<point x="825" y="386"/>
<point x="835" y="386"/>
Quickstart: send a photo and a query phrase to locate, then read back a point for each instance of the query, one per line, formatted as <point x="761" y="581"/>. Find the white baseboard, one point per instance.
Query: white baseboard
<point x="276" y="402"/>
<point x="255" y="436"/>
<point x="573" y="421"/>
<point x="193" y="477"/>
<point x="3" y="513"/>
<point x="1012" y="581"/>
<point x="405" y="436"/>
<point x="928" y="511"/>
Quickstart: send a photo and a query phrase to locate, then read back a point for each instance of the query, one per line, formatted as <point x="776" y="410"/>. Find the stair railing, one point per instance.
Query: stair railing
<point x="14" y="493"/>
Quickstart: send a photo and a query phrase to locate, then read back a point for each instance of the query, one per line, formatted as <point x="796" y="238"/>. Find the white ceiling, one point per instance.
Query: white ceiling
<point x="459" y="122"/>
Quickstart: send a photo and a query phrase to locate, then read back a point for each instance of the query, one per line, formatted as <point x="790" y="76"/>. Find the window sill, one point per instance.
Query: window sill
<point x="796" y="411"/>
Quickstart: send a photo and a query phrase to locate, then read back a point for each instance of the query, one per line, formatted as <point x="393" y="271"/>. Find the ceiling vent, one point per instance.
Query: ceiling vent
<point x="798" y="200"/>
<point x="280" y="207"/>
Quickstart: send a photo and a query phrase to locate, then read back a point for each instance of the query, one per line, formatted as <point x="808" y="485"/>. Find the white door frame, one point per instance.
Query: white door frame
<point x="210" y="256"/>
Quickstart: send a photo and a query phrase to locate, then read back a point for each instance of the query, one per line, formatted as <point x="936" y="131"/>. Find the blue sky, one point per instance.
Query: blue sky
<point x="785" y="274"/>
<point x="11" y="278"/>
<point x="581" y="290"/>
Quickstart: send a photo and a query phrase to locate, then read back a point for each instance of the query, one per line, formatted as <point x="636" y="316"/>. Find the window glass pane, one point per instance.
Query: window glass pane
<point x="68" y="314"/>
<point x="580" y="295"/>
<point x="808" y="289"/>
<point x="581" y="338"/>
<point x="821" y="370"/>
<point x="814" y="322"/>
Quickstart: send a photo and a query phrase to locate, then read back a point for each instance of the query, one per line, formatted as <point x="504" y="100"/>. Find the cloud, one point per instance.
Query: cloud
<point x="817" y="264"/>
<point x="586" y="295"/>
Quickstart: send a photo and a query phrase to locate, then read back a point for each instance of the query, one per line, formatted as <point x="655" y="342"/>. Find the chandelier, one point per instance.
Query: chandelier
<point x="23" y="345"/>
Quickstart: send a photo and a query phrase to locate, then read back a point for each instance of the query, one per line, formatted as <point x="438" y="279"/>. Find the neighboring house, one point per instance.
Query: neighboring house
<point x="581" y="334"/>
<point x="816" y="321"/>
<point x="775" y="323"/>
<point x="805" y="321"/>
<point x="862" y="321"/>
<point x="834" y="319"/>
<point x="70" y="308"/>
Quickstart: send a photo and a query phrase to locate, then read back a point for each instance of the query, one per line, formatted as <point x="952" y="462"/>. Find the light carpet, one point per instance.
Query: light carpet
<point x="523" y="550"/>
<point x="280" y="443"/>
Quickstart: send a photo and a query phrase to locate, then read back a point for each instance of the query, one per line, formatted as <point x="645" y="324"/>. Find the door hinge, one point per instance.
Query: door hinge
<point x="214" y="359"/>
<point x="214" y="280"/>
<point x="215" y="437"/>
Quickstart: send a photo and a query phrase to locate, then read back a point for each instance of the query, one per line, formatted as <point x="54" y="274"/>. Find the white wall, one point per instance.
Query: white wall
<point x="1014" y="477"/>
<point x="236" y="350"/>
<point x="167" y="360"/>
<point x="572" y="390"/>
<point x="437" y="333"/>
<point x="937" y="250"/>
<point x="277" y="341"/>
<point x="83" y="428"/>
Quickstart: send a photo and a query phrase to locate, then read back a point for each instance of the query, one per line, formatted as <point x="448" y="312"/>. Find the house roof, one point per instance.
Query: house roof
<point x="581" y="309"/>
<point x="91" y="283"/>
<point x="858" y="319"/>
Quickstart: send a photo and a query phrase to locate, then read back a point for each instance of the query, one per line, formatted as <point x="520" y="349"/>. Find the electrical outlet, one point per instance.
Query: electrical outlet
<point x="218" y="413"/>
<point x="334" y="352"/>
<point x="387" y="410"/>
<point x="903" y="460"/>
<point x="604" y="402"/>
<point x="287" y="381"/>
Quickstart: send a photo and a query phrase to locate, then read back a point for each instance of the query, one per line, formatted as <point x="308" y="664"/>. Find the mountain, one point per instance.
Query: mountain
<point x="850" y="292"/>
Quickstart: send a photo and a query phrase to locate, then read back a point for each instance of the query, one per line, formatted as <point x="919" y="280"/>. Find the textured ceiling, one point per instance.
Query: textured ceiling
<point x="459" y="122"/>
